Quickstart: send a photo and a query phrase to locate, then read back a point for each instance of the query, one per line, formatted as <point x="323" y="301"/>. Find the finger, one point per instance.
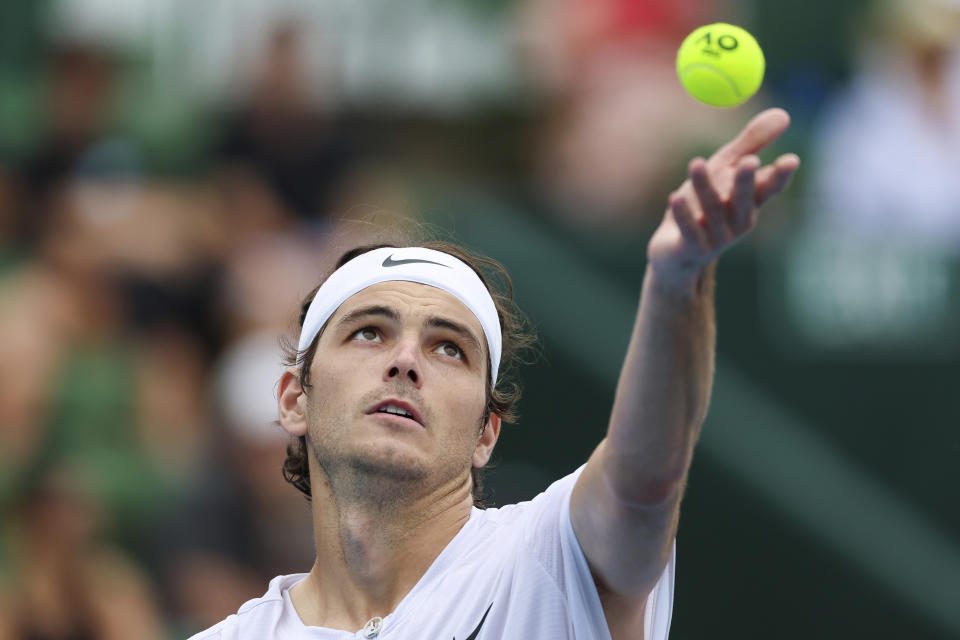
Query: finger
<point x="692" y="232"/>
<point x="699" y="178"/>
<point x="774" y="178"/>
<point x="741" y="211"/>
<point x="714" y="218"/>
<point x="786" y="162"/>
<point x="764" y="128"/>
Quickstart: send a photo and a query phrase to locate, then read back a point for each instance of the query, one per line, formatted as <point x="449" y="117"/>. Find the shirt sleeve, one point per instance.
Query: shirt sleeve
<point x="548" y="533"/>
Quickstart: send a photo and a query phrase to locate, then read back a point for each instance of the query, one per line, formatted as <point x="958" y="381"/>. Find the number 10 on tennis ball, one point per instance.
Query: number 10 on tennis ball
<point x="720" y="64"/>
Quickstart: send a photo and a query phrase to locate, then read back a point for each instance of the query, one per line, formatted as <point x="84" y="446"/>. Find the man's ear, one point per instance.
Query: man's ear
<point x="488" y="439"/>
<point x="290" y="399"/>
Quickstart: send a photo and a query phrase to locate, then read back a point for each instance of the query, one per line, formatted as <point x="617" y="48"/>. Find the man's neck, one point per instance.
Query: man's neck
<point x="369" y="556"/>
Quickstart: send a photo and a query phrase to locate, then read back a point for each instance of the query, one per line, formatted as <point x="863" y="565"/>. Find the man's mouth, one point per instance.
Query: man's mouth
<point x="398" y="408"/>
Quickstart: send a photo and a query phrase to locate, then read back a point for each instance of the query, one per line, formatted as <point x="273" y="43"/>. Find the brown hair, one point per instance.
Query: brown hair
<point x="518" y="343"/>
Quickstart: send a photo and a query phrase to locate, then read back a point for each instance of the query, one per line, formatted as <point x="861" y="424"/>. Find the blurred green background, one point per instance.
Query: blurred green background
<point x="176" y="176"/>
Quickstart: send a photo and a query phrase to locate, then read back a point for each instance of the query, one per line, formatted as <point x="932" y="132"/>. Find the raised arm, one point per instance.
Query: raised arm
<point x="626" y="503"/>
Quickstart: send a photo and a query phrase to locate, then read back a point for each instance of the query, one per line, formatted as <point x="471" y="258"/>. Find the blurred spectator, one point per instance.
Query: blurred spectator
<point x="79" y="95"/>
<point x="618" y="121"/>
<point x="885" y="157"/>
<point x="64" y="581"/>
<point x="563" y="39"/>
<point x="38" y="316"/>
<point x="264" y="278"/>
<point x="172" y="414"/>
<point x="108" y="345"/>
<point x="282" y="155"/>
<point x="241" y="520"/>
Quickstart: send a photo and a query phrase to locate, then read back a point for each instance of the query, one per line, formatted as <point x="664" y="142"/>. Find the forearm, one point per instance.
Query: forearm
<point x="625" y="505"/>
<point x="664" y="389"/>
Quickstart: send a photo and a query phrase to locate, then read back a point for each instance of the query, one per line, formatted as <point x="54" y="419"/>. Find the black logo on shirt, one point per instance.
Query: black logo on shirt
<point x="390" y="262"/>
<point x="473" y="636"/>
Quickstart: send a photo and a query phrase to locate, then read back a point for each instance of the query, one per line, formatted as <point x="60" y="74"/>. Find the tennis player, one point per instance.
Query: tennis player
<point x="395" y="404"/>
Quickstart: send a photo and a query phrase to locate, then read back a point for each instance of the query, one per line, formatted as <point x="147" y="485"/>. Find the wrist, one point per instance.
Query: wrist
<point x="681" y="285"/>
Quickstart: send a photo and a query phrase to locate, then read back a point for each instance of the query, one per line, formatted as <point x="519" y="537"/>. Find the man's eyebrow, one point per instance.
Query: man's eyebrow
<point x="459" y="329"/>
<point x="366" y="312"/>
<point x="436" y="322"/>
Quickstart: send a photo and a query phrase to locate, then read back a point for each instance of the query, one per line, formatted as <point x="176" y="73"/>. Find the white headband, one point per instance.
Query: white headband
<point x="410" y="264"/>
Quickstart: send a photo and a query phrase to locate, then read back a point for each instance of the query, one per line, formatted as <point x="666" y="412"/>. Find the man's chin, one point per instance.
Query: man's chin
<point x="392" y="468"/>
<point x="382" y="474"/>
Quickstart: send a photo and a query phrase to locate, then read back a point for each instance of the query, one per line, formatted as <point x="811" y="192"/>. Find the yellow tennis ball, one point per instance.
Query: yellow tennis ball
<point x="720" y="64"/>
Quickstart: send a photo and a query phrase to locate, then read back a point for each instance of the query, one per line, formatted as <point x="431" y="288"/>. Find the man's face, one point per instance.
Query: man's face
<point x="398" y="347"/>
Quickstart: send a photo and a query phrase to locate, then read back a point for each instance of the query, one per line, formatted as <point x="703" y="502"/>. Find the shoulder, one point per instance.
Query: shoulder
<point x="548" y="545"/>
<point x="214" y="632"/>
<point x="550" y="501"/>
<point x="532" y="537"/>
<point x="256" y="618"/>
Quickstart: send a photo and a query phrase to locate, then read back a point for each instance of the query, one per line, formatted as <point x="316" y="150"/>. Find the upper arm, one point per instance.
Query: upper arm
<point x="626" y="545"/>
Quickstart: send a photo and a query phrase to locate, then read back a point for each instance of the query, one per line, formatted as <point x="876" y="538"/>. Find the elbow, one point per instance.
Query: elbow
<point x="653" y="496"/>
<point x="649" y="491"/>
<point x="645" y="481"/>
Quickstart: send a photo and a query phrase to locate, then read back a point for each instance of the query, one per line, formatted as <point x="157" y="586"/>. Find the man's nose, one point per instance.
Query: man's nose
<point x="405" y="363"/>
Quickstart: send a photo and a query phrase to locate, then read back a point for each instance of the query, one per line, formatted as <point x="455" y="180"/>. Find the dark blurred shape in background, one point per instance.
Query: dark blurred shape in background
<point x="280" y="142"/>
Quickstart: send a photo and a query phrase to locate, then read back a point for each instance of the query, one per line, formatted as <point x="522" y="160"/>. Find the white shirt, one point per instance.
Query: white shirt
<point x="512" y="572"/>
<point x="885" y="165"/>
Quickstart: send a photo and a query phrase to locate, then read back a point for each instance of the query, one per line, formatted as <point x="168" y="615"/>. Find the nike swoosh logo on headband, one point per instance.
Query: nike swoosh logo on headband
<point x="476" y="631"/>
<point x="390" y="262"/>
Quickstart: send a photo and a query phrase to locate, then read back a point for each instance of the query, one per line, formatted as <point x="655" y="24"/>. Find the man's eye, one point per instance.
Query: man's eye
<point x="368" y="334"/>
<point x="450" y="349"/>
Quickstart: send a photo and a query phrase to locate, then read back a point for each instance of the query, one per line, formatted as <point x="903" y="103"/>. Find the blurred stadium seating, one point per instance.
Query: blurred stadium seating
<point x="175" y="176"/>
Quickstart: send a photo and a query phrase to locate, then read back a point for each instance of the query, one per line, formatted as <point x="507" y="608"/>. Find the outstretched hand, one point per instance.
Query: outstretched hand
<point x="717" y="205"/>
